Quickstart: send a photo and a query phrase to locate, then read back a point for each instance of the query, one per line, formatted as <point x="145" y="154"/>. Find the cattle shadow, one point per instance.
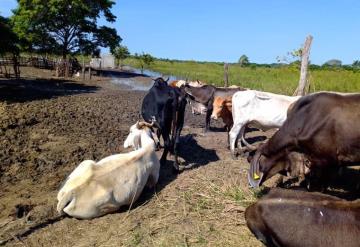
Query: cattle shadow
<point x="24" y="90"/>
<point x="191" y="152"/>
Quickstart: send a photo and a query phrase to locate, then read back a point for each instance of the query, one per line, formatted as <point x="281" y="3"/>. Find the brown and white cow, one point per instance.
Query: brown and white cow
<point x="297" y="218"/>
<point x="324" y="126"/>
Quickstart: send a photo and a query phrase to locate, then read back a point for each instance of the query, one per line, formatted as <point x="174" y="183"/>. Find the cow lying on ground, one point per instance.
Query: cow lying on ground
<point x="297" y="218"/>
<point x="205" y="95"/>
<point x="166" y="106"/>
<point x="261" y="109"/>
<point x="323" y="126"/>
<point x="97" y="188"/>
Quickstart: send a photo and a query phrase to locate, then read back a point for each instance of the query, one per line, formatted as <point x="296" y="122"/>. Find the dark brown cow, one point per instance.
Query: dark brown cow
<point x="323" y="126"/>
<point x="296" y="218"/>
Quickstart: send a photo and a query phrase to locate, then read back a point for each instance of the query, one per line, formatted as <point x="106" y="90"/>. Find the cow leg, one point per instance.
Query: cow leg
<point x="208" y="116"/>
<point x="167" y="145"/>
<point x="233" y="136"/>
<point x="179" y="125"/>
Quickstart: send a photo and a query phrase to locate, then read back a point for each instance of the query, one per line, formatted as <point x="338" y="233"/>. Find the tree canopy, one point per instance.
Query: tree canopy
<point x="64" y="26"/>
<point x="243" y="60"/>
<point x="8" y="39"/>
<point x="333" y="63"/>
<point x="120" y="52"/>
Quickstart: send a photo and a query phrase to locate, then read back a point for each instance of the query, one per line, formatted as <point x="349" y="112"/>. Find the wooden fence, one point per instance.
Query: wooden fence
<point x="10" y="65"/>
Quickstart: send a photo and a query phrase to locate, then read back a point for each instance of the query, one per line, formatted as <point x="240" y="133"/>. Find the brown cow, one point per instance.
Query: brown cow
<point x="222" y="109"/>
<point x="323" y="126"/>
<point x="298" y="218"/>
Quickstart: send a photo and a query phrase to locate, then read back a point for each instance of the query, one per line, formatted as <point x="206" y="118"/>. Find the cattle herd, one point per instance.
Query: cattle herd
<point x="323" y="129"/>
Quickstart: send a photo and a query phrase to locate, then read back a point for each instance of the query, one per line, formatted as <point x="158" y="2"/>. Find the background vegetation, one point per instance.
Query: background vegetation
<point x="277" y="78"/>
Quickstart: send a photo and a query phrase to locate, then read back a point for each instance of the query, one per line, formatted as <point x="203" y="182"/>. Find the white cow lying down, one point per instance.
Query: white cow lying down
<point x="94" y="189"/>
<point x="264" y="110"/>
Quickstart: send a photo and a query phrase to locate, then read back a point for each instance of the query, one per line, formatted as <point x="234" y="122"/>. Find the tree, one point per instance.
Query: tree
<point x="243" y="60"/>
<point x="9" y="40"/>
<point x="120" y="53"/>
<point x="356" y="64"/>
<point x="144" y="59"/>
<point x="333" y="63"/>
<point x="64" y="26"/>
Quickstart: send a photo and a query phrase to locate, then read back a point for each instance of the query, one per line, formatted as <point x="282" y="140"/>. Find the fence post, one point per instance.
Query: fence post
<point x="66" y="68"/>
<point x="89" y="72"/>
<point x="300" y="91"/>
<point x="83" y="68"/>
<point x="226" y="74"/>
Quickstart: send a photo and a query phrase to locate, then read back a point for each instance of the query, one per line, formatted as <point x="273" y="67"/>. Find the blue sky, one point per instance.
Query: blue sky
<point x="223" y="30"/>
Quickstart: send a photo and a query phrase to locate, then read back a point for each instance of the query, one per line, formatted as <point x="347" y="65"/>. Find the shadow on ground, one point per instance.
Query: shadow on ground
<point x="24" y="90"/>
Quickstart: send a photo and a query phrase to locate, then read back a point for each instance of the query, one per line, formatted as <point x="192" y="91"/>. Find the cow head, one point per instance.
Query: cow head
<point x="160" y="82"/>
<point x="221" y="107"/>
<point x="263" y="167"/>
<point x="136" y="130"/>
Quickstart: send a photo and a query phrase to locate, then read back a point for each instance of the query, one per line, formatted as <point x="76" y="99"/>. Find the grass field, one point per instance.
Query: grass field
<point x="278" y="80"/>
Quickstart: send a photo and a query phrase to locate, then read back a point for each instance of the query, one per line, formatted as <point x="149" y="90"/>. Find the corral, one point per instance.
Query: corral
<point x="49" y="126"/>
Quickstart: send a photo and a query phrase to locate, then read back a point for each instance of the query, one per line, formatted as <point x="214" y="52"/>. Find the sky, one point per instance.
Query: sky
<point x="223" y="30"/>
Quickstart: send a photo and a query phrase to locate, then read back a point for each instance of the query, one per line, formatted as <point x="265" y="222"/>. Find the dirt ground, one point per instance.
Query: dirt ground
<point x="48" y="126"/>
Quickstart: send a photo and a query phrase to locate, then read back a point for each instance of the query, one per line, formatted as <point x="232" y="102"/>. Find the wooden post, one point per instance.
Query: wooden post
<point x="226" y="74"/>
<point x="83" y="68"/>
<point x="300" y="91"/>
<point x="66" y="68"/>
<point x="89" y="72"/>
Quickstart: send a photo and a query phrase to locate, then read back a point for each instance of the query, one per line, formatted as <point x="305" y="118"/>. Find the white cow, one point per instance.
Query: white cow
<point x="97" y="188"/>
<point x="264" y="110"/>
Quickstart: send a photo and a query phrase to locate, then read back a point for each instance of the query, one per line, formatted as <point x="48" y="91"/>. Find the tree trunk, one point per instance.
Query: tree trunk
<point x="226" y="75"/>
<point x="301" y="89"/>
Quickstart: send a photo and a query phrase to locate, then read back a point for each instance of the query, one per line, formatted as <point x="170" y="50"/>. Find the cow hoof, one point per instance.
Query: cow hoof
<point x="233" y="156"/>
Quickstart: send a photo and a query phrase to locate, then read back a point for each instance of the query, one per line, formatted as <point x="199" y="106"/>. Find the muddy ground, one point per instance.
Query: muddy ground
<point x="48" y="126"/>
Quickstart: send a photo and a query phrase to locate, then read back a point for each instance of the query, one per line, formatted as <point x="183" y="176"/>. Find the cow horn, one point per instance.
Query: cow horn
<point x="142" y="124"/>
<point x="254" y="175"/>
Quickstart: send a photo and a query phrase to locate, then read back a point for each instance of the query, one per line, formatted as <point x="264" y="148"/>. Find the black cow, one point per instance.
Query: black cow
<point x="166" y="106"/>
<point x="205" y="95"/>
<point x="297" y="218"/>
<point x="324" y="126"/>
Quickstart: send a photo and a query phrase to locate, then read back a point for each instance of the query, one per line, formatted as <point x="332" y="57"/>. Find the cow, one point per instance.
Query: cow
<point x="261" y="109"/>
<point x="205" y="95"/>
<point x="97" y="188"/>
<point x="323" y="126"/>
<point x="179" y="83"/>
<point x="165" y="106"/>
<point x="297" y="218"/>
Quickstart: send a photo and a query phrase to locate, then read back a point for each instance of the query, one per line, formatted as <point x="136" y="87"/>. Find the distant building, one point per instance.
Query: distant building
<point x="106" y="61"/>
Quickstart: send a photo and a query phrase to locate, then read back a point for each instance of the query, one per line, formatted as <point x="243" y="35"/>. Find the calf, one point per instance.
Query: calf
<point x="296" y="218"/>
<point x="323" y="126"/>
<point x="97" y="188"/>
<point x="205" y="95"/>
<point x="165" y="106"/>
<point x="262" y="109"/>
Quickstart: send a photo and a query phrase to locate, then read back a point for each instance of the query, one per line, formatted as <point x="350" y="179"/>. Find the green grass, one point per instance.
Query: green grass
<point x="278" y="80"/>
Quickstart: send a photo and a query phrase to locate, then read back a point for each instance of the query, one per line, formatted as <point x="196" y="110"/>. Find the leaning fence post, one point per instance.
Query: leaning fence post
<point x="304" y="67"/>
<point x="226" y="75"/>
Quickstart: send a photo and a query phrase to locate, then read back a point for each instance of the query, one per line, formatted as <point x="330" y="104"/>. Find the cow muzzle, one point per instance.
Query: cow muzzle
<point x="214" y="116"/>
